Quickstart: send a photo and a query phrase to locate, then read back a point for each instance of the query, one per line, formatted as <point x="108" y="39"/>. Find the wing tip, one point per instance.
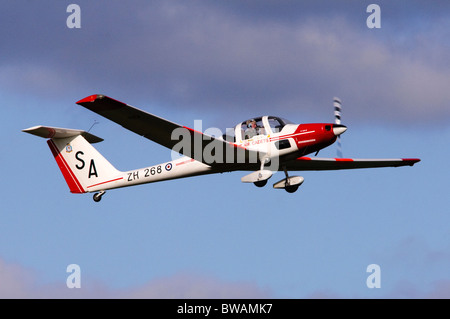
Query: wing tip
<point x="90" y="98"/>
<point x="100" y="102"/>
<point x="411" y="161"/>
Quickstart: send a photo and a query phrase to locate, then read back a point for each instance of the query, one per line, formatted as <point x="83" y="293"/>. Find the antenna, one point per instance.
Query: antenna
<point x="95" y="122"/>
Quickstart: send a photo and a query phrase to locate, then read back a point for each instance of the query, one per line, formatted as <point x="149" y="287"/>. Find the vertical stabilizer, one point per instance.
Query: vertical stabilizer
<point x="82" y="166"/>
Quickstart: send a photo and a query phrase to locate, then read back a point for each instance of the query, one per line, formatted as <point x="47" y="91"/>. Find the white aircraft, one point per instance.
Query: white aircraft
<point x="262" y="145"/>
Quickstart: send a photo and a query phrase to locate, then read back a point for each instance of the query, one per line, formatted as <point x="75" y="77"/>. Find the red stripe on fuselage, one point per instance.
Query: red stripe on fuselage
<point x="69" y="176"/>
<point x="293" y="135"/>
<point x="185" y="162"/>
<point x="113" y="180"/>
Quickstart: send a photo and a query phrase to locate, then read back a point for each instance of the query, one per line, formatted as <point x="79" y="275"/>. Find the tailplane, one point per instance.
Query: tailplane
<point x="83" y="167"/>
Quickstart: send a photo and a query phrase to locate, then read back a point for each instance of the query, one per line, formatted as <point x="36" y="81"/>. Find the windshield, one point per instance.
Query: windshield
<point x="258" y="126"/>
<point x="277" y="123"/>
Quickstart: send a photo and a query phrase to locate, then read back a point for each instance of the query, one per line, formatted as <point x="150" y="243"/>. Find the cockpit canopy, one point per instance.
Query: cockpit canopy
<point x="263" y="125"/>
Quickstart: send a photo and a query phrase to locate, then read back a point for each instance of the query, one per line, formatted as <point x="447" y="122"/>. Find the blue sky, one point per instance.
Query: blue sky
<point x="213" y="236"/>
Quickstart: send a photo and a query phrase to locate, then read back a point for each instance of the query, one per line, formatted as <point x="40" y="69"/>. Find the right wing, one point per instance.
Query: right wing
<point x="322" y="164"/>
<point x="209" y="150"/>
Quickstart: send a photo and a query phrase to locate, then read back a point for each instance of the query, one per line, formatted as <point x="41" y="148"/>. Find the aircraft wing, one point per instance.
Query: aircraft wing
<point x="322" y="164"/>
<point x="203" y="148"/>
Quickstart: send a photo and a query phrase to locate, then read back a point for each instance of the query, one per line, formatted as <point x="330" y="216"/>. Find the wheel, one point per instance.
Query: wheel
<point x="260" y="183"/>
<point x="97" y="197"/>
<point x="291" y="188"/>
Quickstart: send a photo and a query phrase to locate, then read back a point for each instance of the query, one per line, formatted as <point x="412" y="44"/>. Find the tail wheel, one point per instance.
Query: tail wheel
<point x="98" y="196"/>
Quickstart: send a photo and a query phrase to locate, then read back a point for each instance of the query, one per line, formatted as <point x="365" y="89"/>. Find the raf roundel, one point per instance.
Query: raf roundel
<point x="168" y="166"/>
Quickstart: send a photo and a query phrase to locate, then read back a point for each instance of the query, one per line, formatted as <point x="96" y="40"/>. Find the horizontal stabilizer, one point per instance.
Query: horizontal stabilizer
<point x="57" y="132"/>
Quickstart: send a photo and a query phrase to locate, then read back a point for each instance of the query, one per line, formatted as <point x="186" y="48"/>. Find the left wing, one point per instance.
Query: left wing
<point x="322" y="164"/>
<point x="220" y="154"/>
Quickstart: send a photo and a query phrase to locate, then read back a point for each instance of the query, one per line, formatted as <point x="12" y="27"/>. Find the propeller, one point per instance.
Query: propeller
<point x="337" y="120"/>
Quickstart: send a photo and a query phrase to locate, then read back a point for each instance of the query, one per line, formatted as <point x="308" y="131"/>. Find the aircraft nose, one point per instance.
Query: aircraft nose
<point x="338" y="129"/>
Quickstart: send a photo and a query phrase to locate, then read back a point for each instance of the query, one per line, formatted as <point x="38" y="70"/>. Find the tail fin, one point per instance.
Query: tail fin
<point x="82" y="166"/>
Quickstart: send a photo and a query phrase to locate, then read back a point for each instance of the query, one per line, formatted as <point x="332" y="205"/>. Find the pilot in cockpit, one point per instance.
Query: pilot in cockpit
<point x="251" y="129"/>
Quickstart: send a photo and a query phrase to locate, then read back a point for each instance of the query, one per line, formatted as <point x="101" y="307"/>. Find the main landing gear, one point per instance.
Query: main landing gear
<point x="290" y="183"/>
<point x="98" y="196"/>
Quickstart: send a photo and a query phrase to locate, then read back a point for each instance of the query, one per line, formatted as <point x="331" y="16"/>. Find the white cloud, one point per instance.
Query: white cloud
<point x="201" y="56"/>
<point x="189" y="286"/>
<point x="17" y="281"/>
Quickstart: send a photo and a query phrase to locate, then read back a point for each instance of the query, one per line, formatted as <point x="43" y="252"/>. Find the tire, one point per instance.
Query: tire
<point x="260" y="183"/>
<point x="97" y="197"/>
<point x="291" y="188"/>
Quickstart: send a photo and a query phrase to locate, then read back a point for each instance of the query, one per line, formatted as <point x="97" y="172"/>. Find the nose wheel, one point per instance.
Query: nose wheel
<point x="98" y="196"/>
